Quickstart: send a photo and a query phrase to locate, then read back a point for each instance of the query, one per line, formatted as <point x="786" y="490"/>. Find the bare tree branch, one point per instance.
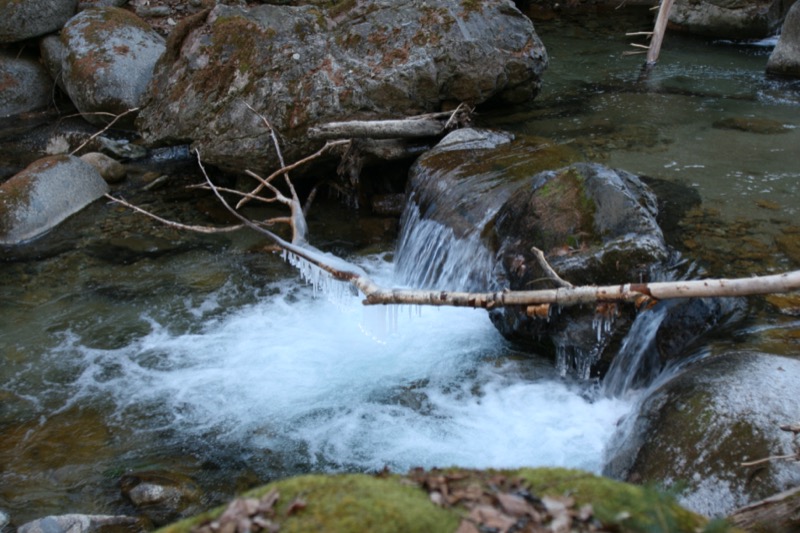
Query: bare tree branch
<point x="172" y="223"/>
<point x="97" y="134"/>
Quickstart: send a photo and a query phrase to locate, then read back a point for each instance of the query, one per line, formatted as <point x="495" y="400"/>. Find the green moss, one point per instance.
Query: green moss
<point x="568" y="210"/>
<point x="341" y="7"/>
<point x="352" y="502"/>
<point x="358" y="502"/>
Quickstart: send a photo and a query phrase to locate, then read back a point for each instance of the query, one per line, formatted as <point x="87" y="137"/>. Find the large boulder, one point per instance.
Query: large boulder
<point x="32" y="18"/>
<point x="301" y="66"/>
<point x="108" y="61"/>
<point x="785" y="58"/>
<point x="728" y="19"/>
<point x="25" y="85"/>
<point x="694" y="432"/>
<point x="596" y="226"/>
<point x="481" y="201"/>
<point x="44" y="194"/>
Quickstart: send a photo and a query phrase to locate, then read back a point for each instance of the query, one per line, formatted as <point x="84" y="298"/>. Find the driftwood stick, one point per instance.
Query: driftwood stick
<point x="552" y="274"/>
<point x="780" y="512"/>
<point x="172" y="223"/>
<point x="658" y="31"/>
<point x="415" y="127"/>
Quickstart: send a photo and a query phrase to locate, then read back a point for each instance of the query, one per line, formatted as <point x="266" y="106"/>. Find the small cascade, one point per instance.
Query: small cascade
<point x="636" y="365"/>
<point x="431" y="256"/>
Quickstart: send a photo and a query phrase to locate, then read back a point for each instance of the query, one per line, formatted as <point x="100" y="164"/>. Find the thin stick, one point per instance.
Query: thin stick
<point x="94" y="136"/>
<point x="768" y="459"/>
<point x="172" y="223"/>
<point x="551" y="274"/>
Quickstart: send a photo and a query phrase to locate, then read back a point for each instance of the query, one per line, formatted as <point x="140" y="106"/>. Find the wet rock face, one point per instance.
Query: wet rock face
<point x="455" y="191"/>
<point x="44" y="194"/>
<point x="729" y="19"/>
<point x="785" y="58"/>
<point x="108" y="60"/>
<point x="481" y="201"/>
<point x="300" y="66"/>
<point x="23" y="19"/>
<point x="24" y="85"/>
<point x="596" y="226"/>
<point x="697" y="429"/>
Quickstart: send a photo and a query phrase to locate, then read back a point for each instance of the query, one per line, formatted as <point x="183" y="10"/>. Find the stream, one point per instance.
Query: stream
<point x="148" y="350"/>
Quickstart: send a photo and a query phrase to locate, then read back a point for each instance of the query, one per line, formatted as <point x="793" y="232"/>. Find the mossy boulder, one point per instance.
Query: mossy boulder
<point x="108" y="60"/>
<point x="299" y="66"/>
<point x="695" y="432"/>
<point x="596" y="226"/>
<point x="455" y="191"/>
<point x="44" y="194"/>
<point x="417" y="502"/>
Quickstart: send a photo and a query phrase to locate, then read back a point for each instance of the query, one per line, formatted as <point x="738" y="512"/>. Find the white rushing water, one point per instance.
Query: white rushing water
<point x="332" y="385"/>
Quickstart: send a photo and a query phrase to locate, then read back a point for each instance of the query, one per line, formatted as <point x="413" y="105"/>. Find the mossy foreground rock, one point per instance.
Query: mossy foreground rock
<point x="450" y="500"/>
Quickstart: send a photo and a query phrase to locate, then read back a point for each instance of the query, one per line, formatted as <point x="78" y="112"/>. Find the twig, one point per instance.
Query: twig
<point x="94" y="136"/>
<point x="772" y="458"/>
<point x="548" y="270"/>
<point x="172" y="223"/>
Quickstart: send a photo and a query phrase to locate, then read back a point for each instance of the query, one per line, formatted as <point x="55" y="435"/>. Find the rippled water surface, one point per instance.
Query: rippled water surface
<point x="147" y="350"/>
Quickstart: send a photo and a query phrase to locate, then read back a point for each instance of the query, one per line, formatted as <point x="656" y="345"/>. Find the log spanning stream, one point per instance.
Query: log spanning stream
<point x="156" y="352"/>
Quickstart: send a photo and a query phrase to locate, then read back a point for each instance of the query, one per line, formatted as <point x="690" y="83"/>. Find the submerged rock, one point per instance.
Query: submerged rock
<point x="301" y="66"/>
<point x="161" y="496"/>
<point x="44" y="194"/>
<point x="694" y="432"/>
<point x="108" y="61"/>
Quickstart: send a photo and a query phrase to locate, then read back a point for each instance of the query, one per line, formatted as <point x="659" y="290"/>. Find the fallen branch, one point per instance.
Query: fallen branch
<point x="430" y="125"/>
<point x="780" y="512"/>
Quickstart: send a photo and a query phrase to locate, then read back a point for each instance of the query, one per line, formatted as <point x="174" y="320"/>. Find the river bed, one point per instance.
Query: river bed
<point x="149" y="350"/>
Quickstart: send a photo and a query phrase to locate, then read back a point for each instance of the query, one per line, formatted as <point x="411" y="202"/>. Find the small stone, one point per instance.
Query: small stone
<point x="111" y="170"/>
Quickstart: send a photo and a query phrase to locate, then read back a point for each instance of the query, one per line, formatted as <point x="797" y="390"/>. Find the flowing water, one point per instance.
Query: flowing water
<point x="207" y="358"/>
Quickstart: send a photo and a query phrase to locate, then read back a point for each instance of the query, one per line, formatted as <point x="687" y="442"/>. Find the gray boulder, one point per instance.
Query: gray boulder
<point x="301" y="66"/>
<point x="694" y="432"/>
<point x="32" y="18"/>
<point x="44" y="194"/>
<point x="480" y="201"/>
<point x="80" y="523"/>
<point x="728" y="19"/>
<point x="785" y="58"/>
<point x="108" y="61"/>
<point x="26" y="85"/>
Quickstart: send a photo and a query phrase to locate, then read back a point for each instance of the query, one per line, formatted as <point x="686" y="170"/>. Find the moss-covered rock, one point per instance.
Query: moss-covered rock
<point x="109" y="56"/>
<point x="440" y="500"/>
<point x="695" y="432"/>
<point x="300" y="66"/>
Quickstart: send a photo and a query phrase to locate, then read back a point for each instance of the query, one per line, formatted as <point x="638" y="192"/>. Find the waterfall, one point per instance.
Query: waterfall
<point x="637" y="363"/>
<point x="431" y="256"/>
